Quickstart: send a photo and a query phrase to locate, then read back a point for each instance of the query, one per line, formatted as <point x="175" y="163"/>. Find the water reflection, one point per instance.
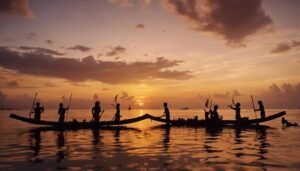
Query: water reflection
<point x="212" y="146"/>
<point x="60" y="142"/>
<point x="35" y="145"/>
<point x="215" y="146"/>
<point x="166" y="139"/>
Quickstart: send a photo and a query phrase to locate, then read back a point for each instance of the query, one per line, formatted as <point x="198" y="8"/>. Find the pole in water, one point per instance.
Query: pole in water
<point x="69" y="106"/>
<point x="32" y="105"/>
<point x="253" y="106"/>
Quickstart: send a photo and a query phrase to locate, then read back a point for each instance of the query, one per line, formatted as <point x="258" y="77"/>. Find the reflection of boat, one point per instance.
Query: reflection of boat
<point x="179" y="122"/>
<point x="185" y="108"/>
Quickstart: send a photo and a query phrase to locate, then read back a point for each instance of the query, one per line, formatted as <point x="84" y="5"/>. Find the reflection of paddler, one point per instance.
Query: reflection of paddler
<point x="60" y="142"/>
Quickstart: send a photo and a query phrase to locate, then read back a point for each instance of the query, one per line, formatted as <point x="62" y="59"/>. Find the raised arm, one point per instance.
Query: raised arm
<point x="231" y="107"/>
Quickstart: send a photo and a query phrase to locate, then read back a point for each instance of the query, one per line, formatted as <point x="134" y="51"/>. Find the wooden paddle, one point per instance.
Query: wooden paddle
<point x="253" y="106"/>
<point x="101" y="114"/>
<point x="69" y="106"/>
<point x="33" y="104"/>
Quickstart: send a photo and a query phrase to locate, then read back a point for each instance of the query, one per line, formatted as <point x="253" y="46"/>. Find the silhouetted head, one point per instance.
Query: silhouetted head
<point x="37" y="104"/>
<point x="260" y="102"/>
<point x="238" y="104"/>
<point x="165" y="104"/>
<point x="216" y="107"/>
<point x="61" y="105"/>
<point x="97" y="103"/>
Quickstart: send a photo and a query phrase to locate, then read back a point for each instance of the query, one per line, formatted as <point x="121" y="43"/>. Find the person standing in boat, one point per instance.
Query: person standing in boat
<point x="62" y="112"/>
<point x="38" y="110"/>
<point x="237" y="108"/>
<point x="214" y="113"/>
<point x="96" y="111"/>
<point x="117" y="116"/>
<point x="261" y="108"/>
<point x="167" y="113"/>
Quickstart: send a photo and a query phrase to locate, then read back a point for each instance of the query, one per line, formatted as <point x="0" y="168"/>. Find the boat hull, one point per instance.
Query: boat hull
<point x="180" y="122"/>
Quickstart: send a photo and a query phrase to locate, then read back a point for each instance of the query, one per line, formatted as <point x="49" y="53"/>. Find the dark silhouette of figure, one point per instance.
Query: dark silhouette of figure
<point x="214" y="113"/>
<point x="96" y="111"/>
<point x="261" y="109"/>
<point x="117" y="116"/>
<point x="206" y="115"/>
<point x="38" y="110"/>
<point x="237" y="108"/>
<point x="62" y="112"/>
<point x="167" y="113"/>
<point x="287" y="123"/>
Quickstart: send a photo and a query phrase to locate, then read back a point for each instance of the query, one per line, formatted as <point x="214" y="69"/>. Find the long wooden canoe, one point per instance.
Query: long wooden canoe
<point x="180" y="122"/>
<point x="192" y="122"/>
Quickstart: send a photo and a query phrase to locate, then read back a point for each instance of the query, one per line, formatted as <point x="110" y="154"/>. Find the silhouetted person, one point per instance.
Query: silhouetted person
<point x="167" y="113"/>
<point x="214" y="113"/>
<point x="96" y="111"/>
<point x="261" y="109"/>
<point x="62" y="112"/>
<point x="287" y="123"/>
<point x="117" y="116"/>
<point x="237" y="108"/>
<point x="38" y="110"/>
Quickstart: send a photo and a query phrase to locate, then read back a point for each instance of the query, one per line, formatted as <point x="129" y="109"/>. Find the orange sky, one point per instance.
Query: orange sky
<point x="149" y="52"/>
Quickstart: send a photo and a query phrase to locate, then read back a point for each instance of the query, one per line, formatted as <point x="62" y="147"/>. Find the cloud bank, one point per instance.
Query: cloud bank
<point x="116" y="51"/>
<point x="15" y="7"/>
<point x="39" y="50"/>
<point x="80" y="48"/>
<point x="88" y="68"/>
<point x="234" y="20"/>
<point x="284" y="47"/>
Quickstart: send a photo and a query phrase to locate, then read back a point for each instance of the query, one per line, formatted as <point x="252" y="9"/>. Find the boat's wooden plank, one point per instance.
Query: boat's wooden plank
<point x="148" y="116"/>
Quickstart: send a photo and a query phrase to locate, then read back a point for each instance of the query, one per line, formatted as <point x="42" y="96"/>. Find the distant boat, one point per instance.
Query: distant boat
<point x="185" y="108"/>
<point x="129" y="107"/>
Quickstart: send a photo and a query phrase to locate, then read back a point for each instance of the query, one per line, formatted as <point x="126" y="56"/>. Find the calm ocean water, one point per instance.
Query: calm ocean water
<point x="22" y="147"/>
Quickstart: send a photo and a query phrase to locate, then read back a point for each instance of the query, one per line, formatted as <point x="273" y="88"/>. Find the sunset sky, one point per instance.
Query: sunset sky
<point x="150" y="51"/>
